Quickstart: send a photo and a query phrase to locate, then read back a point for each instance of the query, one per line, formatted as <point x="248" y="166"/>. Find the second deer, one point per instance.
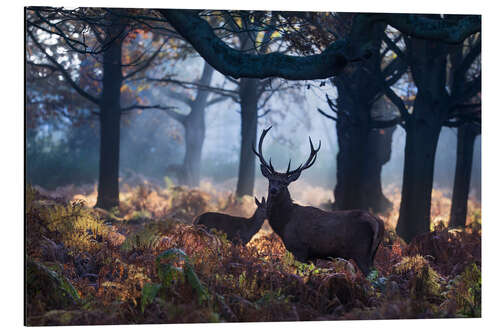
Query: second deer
<point x="310" y="233"/>
<point x="237" y="229"/>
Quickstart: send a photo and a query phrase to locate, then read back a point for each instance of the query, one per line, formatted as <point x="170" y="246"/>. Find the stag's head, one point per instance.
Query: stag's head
<point x="279" y="181"/>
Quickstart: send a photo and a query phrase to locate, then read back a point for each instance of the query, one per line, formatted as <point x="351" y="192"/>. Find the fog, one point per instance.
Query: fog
<point x="151" y="140"/>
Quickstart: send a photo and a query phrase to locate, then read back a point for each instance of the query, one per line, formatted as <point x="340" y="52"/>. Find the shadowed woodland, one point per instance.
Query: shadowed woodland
<point x="140" y="121"/>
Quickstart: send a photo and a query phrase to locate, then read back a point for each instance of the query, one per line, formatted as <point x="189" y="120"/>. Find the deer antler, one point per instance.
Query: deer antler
<point x="260" y="155"/>
<point x="312" y="158"/>
<point x="310" y="161"/>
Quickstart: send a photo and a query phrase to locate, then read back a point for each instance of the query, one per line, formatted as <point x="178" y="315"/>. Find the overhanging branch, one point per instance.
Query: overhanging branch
<point x="238" y="64"/>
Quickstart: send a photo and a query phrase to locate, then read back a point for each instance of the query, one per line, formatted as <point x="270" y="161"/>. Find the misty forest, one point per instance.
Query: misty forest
<point x="193" y="166"/>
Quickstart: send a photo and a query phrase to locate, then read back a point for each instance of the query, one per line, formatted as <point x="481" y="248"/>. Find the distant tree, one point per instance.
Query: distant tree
<point x="188" y="172"/>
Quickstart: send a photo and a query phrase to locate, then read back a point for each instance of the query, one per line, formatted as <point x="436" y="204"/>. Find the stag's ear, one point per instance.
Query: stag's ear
<point x="293" y="177"/>
<point x="265" y="171"/>
<point x="263" y="201"/>
<point x="257" y="202"/>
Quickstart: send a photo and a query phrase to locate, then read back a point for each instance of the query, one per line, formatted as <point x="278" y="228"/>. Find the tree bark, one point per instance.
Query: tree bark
<point x="352" y="140"/>
<point x="362" y="149"/>
<point x="428" y="67"/>
<point x="379" y="146"/>
<point x="110" y="111"/>
<point x="422" y="136"/>
<point x="465" y="149"/>
<point x="246" y="170"/>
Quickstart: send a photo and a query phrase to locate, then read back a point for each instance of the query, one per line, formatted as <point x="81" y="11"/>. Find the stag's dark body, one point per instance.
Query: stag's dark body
<point x="237" y="229"/>
<point x="310" y="233"/>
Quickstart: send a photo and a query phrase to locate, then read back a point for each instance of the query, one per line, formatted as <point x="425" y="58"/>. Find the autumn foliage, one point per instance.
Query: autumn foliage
<point x="145" y="262"/>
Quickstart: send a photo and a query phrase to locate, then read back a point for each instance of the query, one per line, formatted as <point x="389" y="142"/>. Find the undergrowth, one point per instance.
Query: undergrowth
<point x="144" y="262"/>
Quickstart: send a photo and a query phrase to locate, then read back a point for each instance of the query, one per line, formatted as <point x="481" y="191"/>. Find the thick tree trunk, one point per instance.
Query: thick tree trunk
<point x="108" y="190"/>
<point x="362" y="150"/>
<point x="362" y="153"/>
<point x="465" y="149"/>
<point x="378" y="152"/>
<point x="428" y="66"/>
<point x="352" y="142"/>
<point x="246" y="171"/>
<point x="422" y="136"/>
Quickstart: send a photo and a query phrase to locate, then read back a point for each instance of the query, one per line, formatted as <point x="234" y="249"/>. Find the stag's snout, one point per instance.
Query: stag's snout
<point x="273" y="191"/>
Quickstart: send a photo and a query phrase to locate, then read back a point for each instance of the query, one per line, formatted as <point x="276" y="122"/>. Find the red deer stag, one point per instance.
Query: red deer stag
<point x="237" y="229"/>
<point x="310" y="233"/>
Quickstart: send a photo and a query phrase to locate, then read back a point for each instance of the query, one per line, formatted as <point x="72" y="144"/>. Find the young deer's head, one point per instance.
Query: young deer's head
<point x="260" y="212"/>
<point x="278" y="181"/>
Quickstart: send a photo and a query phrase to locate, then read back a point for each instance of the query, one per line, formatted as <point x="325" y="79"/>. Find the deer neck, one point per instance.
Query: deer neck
<point x="279" y="211"/>
<point x="255" y="222"/>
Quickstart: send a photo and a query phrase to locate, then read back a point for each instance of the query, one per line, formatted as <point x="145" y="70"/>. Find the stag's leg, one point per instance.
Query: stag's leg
<point x="300" y="254"/>
<point x="364" y="266"/>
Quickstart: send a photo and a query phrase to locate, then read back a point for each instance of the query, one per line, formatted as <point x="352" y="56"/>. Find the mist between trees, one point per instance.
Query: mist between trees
<point x="150" y="152"/>
<point x="114" y="94"/>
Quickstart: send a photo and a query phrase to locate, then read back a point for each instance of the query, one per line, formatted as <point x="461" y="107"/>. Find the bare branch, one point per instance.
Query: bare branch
<point x="63" y="71"/>
<point x="385" y="123"/>
<point x="195" y="85"/>
<point x="145" y="64"/>
<point x="263" y="114"/>
<point x="327" y="115"/>
<point x="398" y="102"/>
<point x="459" y="74"/>
<point x="216" y="100"/>
<point x="144" y="107"/>
<point x="470" y="90"/>
<point x="393" y="47"/>
<point x="184" y="98"/>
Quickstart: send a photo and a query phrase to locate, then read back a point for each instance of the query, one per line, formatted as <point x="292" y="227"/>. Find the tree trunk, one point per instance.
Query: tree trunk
<point x="194" y="126"/>
<point x="378" y="152"/>
<point x="428" y="67"/>
<point x="246" y="171"/>
<point x="194" y="136"/>
<point x="465" y="148"/>
<point x="362" y="152"/>
<point x="108" y="190"/>
<point x="422" y="136"/>
<point x="352" y="140"/>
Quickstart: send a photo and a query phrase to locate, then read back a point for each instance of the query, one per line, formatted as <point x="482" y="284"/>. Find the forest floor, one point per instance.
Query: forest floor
<point x="144" y="262"/>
